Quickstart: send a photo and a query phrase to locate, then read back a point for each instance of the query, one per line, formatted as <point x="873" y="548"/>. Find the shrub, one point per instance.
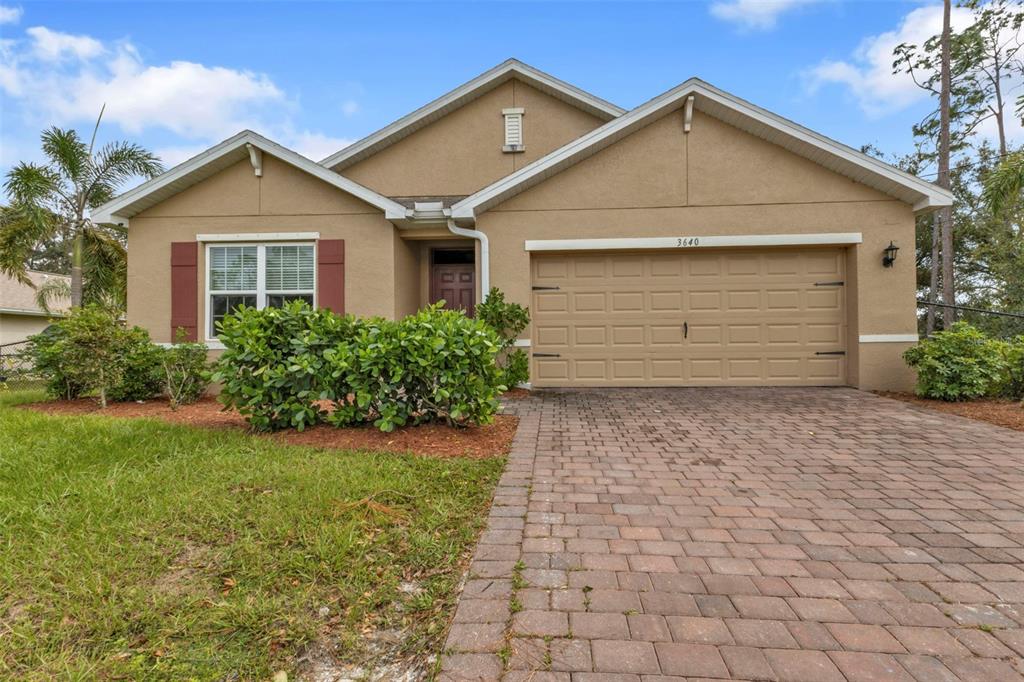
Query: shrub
<point x="958" y="364"/>
<point x="508" y="320"/>
<point x="91" y="351"/>
<point x="285" y="367"/>
<point x="184" y="373"/>
<point x="436" y="364"/>
<point x="1013" y="354"/>
<point x="272" y="369"/>
<point x="141" y="373"/>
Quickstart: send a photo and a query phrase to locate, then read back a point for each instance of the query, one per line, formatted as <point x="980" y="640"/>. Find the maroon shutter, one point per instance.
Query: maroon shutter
<point x="184" y="289"/>
<point x="330" y="274"/>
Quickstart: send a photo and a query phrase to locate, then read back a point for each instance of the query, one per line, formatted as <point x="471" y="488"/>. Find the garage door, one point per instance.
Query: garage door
<point x="689" y="318"/>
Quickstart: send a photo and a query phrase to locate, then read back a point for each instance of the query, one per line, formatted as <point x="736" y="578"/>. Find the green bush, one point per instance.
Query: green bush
<point x="142" y="372"/>
<point x="91" y="351"/>
<point x="273" y="370"/>
<point x="958" y="364"/>
<point x="184" y="373"/>
<point x="1013" y="355"/>
<point x="294" y="366"/>
<point x="508" y="320"/>
<point x="435" y="365"/>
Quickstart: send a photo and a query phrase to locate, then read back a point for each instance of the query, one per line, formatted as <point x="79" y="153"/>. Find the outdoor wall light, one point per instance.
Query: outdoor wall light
<point x="890" y="254"/>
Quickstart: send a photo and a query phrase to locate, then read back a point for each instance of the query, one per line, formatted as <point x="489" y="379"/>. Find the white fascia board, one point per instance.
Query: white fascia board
<point x="584" y="146"/>
<point x="888" y="338"/>
<point x="694" y="242"/>
<point x="30" y="313"/>
<point x="118" y="208"/>
<point x="465" y="93"/>
<point x="258" y="237"/>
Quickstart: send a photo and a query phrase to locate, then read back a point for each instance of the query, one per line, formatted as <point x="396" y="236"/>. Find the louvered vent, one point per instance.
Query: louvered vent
<point x="513" y="130"/>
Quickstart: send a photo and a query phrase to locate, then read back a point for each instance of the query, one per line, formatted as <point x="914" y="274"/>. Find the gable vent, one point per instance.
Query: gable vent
<point x="513" y="130"/>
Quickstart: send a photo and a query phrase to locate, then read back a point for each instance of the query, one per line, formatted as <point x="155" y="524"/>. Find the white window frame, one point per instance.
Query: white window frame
<point x="261" y="279"/>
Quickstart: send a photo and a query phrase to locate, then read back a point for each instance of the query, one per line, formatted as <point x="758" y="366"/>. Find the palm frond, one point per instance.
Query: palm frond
<point x="67" y="152"/>
<point x="1003" y="186"/>
<point x="22" y="227"/>
<point x="115" y="164"/>
<point x="52" y="292"/>
<point x="105" y="267"/>
<point x="30" y="183"/>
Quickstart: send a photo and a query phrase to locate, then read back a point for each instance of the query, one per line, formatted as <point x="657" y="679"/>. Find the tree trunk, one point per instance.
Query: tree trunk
<point x="933" y="285"/>
<point x="76" y="269"/>
<point x="948" y="291"/>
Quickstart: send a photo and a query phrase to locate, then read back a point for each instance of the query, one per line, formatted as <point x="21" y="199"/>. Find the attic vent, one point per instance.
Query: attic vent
<point x="513" y="130"/>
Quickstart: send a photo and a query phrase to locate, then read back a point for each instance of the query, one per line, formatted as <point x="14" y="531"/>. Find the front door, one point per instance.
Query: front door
<point x="453" y="282"/>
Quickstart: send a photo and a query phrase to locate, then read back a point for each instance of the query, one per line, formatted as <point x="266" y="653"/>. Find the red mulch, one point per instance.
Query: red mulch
<point x="435" y="440"/>
<point x="1007" y="413"/>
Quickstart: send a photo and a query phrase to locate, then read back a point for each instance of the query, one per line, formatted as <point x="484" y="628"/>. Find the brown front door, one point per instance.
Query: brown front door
<point x="455" y="283"/>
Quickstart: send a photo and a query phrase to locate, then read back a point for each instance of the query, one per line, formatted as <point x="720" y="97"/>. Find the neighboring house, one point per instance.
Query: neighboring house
<point x="20" y="315"/>
<point x="694" y="240"/>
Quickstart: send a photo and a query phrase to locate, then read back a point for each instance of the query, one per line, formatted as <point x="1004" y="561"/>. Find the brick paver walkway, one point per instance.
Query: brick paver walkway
<point x="762" y="534"/>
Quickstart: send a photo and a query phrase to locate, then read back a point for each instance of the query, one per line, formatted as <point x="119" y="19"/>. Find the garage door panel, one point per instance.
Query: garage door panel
<point x="753" y="318"/>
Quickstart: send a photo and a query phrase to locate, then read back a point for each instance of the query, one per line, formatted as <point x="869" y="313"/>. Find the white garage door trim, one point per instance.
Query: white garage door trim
<point x="691" y="241"/>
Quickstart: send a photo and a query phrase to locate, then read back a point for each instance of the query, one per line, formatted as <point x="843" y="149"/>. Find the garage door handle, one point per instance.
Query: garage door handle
<point x="546" y="355"/>
<point x="686" y="330"/>
<point x="544" y="288"/>
<point x="830" y="352"/>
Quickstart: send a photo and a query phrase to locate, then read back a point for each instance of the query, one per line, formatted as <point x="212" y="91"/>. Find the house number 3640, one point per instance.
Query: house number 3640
<point x="688" y="241"/>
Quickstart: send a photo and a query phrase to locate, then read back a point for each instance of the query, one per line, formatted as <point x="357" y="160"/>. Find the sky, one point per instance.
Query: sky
<point x="178" y="77"/>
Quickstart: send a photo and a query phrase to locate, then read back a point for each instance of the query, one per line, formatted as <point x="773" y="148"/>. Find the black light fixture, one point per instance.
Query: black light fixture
<point x="890" y="254"/>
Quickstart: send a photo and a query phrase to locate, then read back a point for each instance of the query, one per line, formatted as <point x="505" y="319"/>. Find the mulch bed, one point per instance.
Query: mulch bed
<point x="434" y="440"/>
<point x="1007" y="413"/>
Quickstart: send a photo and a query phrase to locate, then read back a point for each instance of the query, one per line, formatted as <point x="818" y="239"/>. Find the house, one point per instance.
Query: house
<point x="694" y="240"/>
<point x="20" y="315"/>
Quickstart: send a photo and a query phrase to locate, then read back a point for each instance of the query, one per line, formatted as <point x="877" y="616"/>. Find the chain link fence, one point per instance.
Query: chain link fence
<point x="16" y="369"/>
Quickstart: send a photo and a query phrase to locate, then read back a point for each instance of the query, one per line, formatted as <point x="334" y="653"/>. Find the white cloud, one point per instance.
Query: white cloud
<point x="315" y="146"/>
<point x="350" y="107"/>
<point x="53" y="78"/>
<point x="755" y="15"/>
<point x="868" y="73"/>
<point x="10" y="15"/>
<point x="52" y="46"/>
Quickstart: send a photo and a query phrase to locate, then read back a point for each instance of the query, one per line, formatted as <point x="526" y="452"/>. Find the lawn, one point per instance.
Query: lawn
<point x="136" y="549"/>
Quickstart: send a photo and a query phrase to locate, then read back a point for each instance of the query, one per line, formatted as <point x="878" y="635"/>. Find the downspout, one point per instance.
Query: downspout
<point x="485" y="255"/>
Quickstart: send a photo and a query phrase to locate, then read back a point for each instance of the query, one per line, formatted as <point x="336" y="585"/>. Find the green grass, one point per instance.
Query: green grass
<point x="140" y="550"/>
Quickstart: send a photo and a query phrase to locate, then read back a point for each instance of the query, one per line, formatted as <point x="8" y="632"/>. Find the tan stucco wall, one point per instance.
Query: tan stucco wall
<point x="14" y="328"/>
<point x="461" y="152"/>
<point x="718" y="180"/>
<point x="236" y="201"/>
<point x="407" y="276"/>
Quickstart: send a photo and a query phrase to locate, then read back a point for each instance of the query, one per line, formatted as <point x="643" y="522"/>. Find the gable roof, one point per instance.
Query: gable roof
<point x="219" y="157"/>
<point x="465" y="93"/>
<point x="835" y="156"/>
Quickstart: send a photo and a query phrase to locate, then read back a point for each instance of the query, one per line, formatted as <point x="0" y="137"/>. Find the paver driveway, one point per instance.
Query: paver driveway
<point x="775" y="534"/>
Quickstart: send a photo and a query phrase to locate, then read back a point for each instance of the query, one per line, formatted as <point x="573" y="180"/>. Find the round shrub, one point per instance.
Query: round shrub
<point x="958" y="364"/>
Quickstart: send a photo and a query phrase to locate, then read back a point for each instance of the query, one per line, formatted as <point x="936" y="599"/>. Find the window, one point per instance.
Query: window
<point x="257" y="276"/>
<point x="513" y="130"/>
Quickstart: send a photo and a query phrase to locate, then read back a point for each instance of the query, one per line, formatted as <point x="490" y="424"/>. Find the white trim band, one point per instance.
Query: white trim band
<point x="694" y="241"/>
<point x="258" y="237"/>
<point x="888" y="338"/>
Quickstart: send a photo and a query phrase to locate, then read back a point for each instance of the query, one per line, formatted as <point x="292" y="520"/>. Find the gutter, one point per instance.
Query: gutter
<point x="485" y="255"/>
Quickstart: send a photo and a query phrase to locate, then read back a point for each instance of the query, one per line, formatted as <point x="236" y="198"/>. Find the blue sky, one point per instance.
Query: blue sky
<point x="178" y="77"/>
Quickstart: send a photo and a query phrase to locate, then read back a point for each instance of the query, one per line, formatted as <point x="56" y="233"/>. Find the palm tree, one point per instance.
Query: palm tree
<point x="50" y="203"/>
<point x="1003" y="185"/>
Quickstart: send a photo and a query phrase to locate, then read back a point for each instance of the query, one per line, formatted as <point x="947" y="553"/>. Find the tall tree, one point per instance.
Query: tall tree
<point x="51" y="202"/>
<point x="946" y="213"/>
